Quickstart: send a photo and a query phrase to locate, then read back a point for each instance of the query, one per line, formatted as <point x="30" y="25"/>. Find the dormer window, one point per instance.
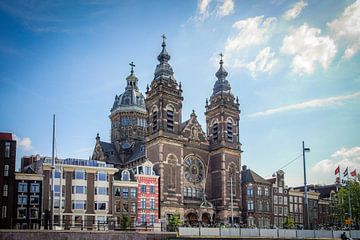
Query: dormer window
<point x="125" y="175"/>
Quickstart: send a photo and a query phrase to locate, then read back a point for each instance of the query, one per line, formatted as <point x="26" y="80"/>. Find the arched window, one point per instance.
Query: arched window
<point x="170" y="118"/>
<point x="154" y="117"/>
<point x="215" y="134"/>
<point x="229" y="128"/>
<point x="125" y="175"/>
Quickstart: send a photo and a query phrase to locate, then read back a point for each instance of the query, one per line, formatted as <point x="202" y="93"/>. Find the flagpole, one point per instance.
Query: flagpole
<point x="350" y="214"/>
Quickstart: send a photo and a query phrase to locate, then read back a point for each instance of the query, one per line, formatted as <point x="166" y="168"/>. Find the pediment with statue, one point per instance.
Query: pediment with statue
<point x="192" y="130"/>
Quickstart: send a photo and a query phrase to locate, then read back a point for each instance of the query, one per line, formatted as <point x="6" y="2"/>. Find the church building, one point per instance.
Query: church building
<point x="198" y="169"/>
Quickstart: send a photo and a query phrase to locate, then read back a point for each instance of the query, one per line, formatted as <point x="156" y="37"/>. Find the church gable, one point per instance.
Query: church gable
<point x="192" y="130"/>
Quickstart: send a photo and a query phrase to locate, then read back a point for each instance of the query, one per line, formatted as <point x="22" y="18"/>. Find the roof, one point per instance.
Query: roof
<point x="110" y="152"/>
<point x="138" y="152"/>
<point x="6" y="136"/>
<point x="249" y="176"/>
<point x="324" y="190"/>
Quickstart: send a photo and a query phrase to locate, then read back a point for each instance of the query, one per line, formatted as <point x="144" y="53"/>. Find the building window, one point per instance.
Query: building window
<point x="78" y="190"/>
<point x="117" y="206"/>
<point x="275" y="199"/>
<point x="57" y="174"/>
<point x="152" y="189"/>
<point x="133" y="207"/>
<point x="125" y="175"/>
<point x="280" y="200"/>
<point x="7" y="149"/>
<point x="79" y="204"/>
<point x="5" y="190"/>
<point x="229" y="131"/>
<point x="100" y="205"/>
<point x="101" y="176"/>
<point x="34" y="200"/>
<point x="285" y="200"/>
<point x="267" y="206"/>
<point x="266" y="190"/>
<point x="35" y="187"/>
<point x="143" y="188"/>
<point x="143" y="203"/>
<point x="250" y="205"/>
<point x="101" y="191"/>
<point x="215" y="129"/>
<point x="126" y="120"/>
<point x="291" y="199"/>
<point x="125" y="207"/>
<point x="22" y="200"/>
<point x="259" y="191"/>
<point x="133" y="192"/>
<point x="34" y="213"/>
<point x="275" y="210"/>
<point x="6" y="170"/>
<point x="152" y="203"/>
<point x="260" y="208"/>
<point x="22" y="187"/>
<point x="143" y="218"/>
<point x="189" y="192"/>
<point x="148" y="170"/>
<point x="152" y="219"/>
<point x="125" y="192"/>
<point x="117" y="192"/>
<point x="80" y="175"/>
<point x="170" y="120"/>
<point x="154" y="120"/>
<point x="249" y="191"/>
<point x="4" y="212"/>
<point x="21" y="213"/>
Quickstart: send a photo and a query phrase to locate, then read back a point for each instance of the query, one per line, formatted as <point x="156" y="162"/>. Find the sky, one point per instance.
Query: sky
<point x="295" y="66"/>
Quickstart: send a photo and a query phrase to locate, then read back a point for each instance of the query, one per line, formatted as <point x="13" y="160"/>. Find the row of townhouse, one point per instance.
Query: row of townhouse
<point x="269" y="203"/>
<point x="87" y="193"/>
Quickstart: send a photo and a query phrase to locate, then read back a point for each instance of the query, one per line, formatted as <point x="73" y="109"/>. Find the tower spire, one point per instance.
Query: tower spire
<point x="221" y="85"/>
<point x="163" y="69"/>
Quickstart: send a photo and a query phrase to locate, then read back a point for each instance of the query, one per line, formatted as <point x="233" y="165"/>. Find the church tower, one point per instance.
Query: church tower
<point x="222" y="121"/>
<point x="128" y="115"/>
<point x="163" y="143"/>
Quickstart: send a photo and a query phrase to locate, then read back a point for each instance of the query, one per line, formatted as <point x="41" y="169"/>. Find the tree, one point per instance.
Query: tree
<point x="174" y="222"/>
<point x="289" y="223"/>
<point x="125" y="222"/>
<point x="342" y="211"/>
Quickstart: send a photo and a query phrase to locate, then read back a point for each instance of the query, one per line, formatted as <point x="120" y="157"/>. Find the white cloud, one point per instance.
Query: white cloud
<point x="347" y="26"/>
<point x="226" y="8"/>
<point x="264" y="62"/>
<point x="23" y="143"/>
<point x="308" y="48"/>
<point x="315" y="103"/>
<point x="251" y="31"/>
<point x="203" y="6"/>
<point x="324" y="170"/>
<point x="293" y="12"/>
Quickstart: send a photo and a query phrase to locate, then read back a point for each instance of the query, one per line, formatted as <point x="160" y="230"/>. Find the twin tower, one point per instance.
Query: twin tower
<point x="199" y="171"/>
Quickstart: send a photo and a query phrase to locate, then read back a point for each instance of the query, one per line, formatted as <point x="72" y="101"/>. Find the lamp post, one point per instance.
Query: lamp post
<point x="305" y="186"/>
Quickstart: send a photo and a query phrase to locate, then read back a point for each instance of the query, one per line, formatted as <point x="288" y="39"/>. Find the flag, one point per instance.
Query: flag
<point x="353" y="173"/>
<point x="346" y="172"/>
<point x="337" y="170"/>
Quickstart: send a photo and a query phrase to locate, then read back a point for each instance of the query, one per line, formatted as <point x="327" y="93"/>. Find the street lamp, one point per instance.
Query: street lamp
<point x="304" y="149"/>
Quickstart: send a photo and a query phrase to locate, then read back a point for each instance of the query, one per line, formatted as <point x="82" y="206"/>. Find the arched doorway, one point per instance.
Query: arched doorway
<point x="205" y="219"/>
<point x="192" y="218"/>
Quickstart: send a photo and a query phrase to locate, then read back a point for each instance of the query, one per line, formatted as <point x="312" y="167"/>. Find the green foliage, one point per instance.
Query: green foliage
<point x="174" y="221"/>
<point x="289" y="223"/>
<point x="125" y="222"/>
<point x="342" y="208"/>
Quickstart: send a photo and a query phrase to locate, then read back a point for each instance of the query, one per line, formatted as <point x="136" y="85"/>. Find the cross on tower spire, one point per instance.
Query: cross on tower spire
<point x="164" y="38"/>
<point x="221" y="58"/>
<point x="132" y="67"/>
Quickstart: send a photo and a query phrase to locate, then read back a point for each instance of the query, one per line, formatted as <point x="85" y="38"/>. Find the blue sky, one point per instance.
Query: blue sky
<point x="295" y="66"/>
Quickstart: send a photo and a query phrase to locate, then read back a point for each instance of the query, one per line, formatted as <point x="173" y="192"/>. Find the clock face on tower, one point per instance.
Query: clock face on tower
<point x="194" y="170"/>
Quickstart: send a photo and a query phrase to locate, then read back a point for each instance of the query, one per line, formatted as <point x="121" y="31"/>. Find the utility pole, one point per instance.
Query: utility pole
<point x="52" y="176"/>
<point x="305" y="186"/>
